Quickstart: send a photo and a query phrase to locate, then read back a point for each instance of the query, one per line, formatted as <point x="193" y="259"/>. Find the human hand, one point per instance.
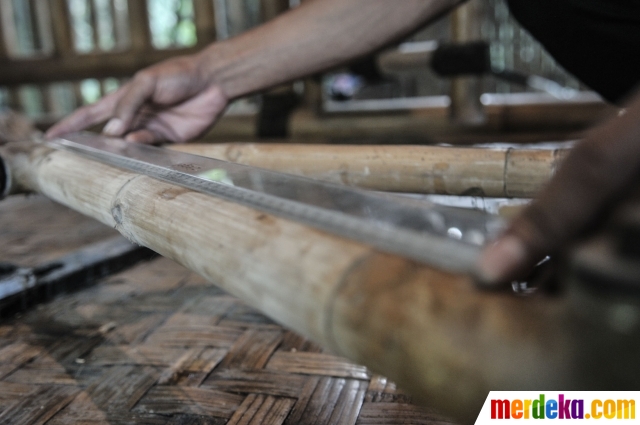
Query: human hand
<point x="170" y="101"/>
<point x="594" y="177"/>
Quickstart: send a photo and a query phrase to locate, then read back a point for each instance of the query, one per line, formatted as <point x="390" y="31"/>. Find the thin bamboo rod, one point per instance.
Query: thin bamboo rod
<point x="413" y="169"/>
<point x="429" y="331"/>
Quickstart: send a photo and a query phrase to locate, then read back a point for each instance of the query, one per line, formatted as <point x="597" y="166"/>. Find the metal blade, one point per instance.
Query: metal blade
<point x="444" y="237"/>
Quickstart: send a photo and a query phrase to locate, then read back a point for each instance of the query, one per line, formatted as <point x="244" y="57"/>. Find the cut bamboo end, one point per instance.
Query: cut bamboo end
<point x="503" y="173"/>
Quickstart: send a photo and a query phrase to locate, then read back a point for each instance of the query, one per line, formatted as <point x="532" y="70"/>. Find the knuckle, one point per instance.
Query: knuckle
<point x="144" y="77"/>
<point x="92" y="112"/>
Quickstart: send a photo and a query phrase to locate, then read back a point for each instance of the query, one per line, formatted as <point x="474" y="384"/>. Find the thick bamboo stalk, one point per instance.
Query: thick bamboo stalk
<point x="430" y="331"/>
<point x="414" y="169"/>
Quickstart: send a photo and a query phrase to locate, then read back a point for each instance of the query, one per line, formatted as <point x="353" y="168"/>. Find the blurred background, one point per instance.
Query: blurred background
<point x="56" y="55"/>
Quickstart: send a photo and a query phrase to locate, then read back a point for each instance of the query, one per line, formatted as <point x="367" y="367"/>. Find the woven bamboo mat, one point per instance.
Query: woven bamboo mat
<point x="158" y="345"/>
<point x="34" y="230"/>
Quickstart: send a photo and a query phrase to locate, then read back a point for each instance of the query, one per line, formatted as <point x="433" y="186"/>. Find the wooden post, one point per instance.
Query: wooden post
<point x="466" y="107"/>
<point x="269" y="9"/>
<point x="429" y="331"/>
<point x="139" y="26"/>
<point x="62" y="28"/>
<point x="205" y="21"/>
<point x="8" y="28"/>
<point x="507" y="173"/>
<point x="3" y="46"/>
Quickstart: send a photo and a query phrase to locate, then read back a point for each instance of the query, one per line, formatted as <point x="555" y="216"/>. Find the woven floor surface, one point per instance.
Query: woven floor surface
<point x="159" y="345"/>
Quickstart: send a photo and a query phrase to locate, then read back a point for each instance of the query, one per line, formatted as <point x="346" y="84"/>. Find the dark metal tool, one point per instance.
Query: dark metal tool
<point x="21" y="287"/>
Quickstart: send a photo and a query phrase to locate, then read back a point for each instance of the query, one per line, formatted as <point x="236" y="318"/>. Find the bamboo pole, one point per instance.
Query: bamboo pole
<point x="505" y="173"/>
<point x="427" y="330"/>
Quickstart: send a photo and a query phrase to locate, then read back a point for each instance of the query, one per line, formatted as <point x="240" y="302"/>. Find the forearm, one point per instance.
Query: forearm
<point x="316" y="36"/>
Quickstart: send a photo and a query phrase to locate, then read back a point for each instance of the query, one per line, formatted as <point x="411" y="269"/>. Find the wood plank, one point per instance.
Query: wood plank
<point x="316" y="364"/>
<point x="117" y="64"/>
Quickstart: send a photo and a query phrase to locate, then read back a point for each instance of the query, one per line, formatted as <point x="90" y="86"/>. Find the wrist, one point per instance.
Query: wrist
<point x="215" y="67"/>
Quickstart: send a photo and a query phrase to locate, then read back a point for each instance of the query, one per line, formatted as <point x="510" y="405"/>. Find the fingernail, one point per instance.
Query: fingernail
<point x="500" y="260"/>
<point x="115" y="127"/>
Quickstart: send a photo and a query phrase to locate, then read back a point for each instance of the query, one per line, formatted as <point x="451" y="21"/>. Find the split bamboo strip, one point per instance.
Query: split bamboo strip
<point x="427" y="330"/>
<point x="518" y="173"/>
